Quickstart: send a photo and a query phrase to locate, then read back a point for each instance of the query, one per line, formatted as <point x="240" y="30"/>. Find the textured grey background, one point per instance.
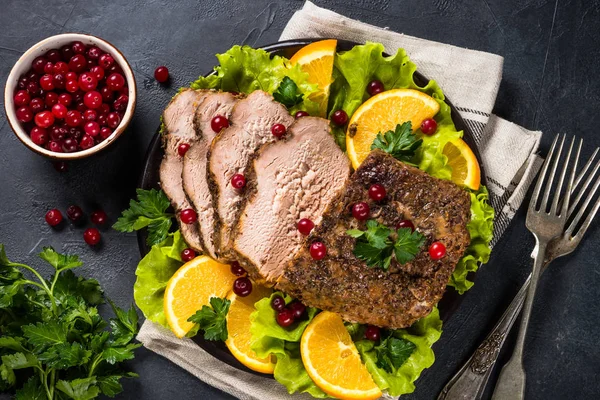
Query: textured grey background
<point x="550" y="83"/>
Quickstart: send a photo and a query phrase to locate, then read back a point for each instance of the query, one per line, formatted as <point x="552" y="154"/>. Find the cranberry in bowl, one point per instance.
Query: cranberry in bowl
<point x="70" y="96"/>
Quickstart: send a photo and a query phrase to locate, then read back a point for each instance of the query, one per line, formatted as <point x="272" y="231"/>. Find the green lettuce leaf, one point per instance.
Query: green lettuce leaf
<point x="244" y="69"/>
<point x="481" y="228"/>
<point x="423" y="334"/>
<point x="268" y="338"/>
<point x="153" y="274"/>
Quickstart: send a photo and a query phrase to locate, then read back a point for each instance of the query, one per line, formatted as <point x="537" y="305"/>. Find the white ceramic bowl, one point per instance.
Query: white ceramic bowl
<point x="24" y="64"/>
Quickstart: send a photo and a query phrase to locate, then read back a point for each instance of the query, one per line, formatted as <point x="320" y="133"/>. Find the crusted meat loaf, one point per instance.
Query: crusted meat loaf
<point x="396" y="298"/>
<point x="296" y="177"/>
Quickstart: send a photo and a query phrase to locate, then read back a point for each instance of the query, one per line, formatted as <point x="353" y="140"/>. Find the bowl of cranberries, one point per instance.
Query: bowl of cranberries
<point x="70" y="96"/>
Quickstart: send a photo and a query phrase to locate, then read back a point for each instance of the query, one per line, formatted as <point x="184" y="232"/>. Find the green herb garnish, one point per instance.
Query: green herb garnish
<point x="288" y="93"/>
<point x="376" y="246"/>
<point x="53" y="328"/>
<point x="400" y="143"/>
<point x="150" y="210"/>
<point x="392" y="352"/>
<point x="212" y="319"/>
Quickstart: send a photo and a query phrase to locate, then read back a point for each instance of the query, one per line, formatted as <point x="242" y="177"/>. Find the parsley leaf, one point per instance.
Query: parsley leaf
<point x="149" y="210"/>
<point x="288" y="93"/>
<point x="400" y="143"/>
<point x="212" y="319"/>
<point x="79" y="389"/>
<point x="60" y="262"/>
<point x="392" y="352"/>
<point x="31" y="390"/>
<point x="376" y="246"/>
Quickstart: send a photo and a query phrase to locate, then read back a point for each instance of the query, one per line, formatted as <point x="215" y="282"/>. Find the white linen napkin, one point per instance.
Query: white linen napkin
<point x="470" y="79"/>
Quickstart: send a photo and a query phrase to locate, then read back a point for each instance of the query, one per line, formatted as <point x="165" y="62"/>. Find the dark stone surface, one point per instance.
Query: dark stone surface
<point x="550" y="83"/>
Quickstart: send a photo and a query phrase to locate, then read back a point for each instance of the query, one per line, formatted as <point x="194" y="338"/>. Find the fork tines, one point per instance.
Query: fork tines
<point x="578" y="224"/>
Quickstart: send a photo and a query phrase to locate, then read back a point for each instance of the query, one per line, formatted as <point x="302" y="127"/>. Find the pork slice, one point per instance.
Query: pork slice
<point x="195" y="160"/>
<point x="178" y="118"/>
<point x="232" y="152"/>
<point x="398" y="297"/>
<point x="294" y="178"/>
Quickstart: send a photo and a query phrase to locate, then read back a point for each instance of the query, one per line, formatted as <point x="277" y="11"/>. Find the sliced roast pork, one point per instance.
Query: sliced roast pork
<point x="296" y="177"/>
<point x="398" y="297"/>
<point x="195" y="160"/>
<point x="178" y="118"/>
<point x="232" y="152"/>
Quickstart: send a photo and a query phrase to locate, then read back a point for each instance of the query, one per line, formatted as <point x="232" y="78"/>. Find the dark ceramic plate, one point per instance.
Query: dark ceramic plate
<point x="150" y="179"/>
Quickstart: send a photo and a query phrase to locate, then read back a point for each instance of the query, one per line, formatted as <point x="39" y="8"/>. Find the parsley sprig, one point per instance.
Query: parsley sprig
<point x="149" y="210"/>
<point x="401" y="143"/>
<point x="53" y="329"/>
<point x="288" y="93"/>
<point x="378" y="244"/>
<point x="212" y="320"/>
<point x="392" y="352"/>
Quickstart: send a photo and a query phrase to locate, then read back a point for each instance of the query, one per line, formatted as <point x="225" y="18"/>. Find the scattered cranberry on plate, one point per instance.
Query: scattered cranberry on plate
<point x="91" y="236"/>
<point x="161" y="74"/>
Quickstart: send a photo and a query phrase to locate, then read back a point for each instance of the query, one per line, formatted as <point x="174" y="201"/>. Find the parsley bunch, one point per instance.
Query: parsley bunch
<point x="212" y="320"/>
<point x="52" y="331"/>
<point x="401" y="143"/>
<point x="148" y="211"/>
<point x="378" y="244"/>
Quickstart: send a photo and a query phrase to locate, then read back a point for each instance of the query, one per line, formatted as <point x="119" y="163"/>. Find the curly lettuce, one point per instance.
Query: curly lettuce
<point x="243" y="69"/>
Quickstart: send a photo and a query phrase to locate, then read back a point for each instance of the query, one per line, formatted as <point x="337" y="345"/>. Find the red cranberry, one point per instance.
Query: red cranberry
<point x="75" y="133"/>
<point x="278" y="130"/>
<point x="38" y="64"/>
<point x="59" y="111"/>
<point x="75" y="213"/>
<point x="298" y="309"/>
<point x="105" y="132"/>
<point x="188" y="216"/>
<point x="98" y="72"/>
<point x="55" y="146"/>
<point x="54" y="217"/>
<point x="91" y="236"/>
<point x="115" y="81"/>
<point x="92" y="99"/>
<point x="59" y="81"/>
<point x="92" y="128"/>
<point x="44" y="119"/>
<point x="237" y="269"/>
<point x="377" y="192"/>
<point x="86" y="142"/>
<point x="99" y="217"/>
<point x="51" y="99"/>
<point x="107" y="94"/>
<point x="22" y="98"/>
<point x="406" y="224"/>
<point x="161" y="74"/>
<point x="238" y="181"/>
<point x="37" y="105"/>
<point x="113" y="120"/>
<point x="104" y="109"/>
<point x="71" y="76"/>
<point x="318" y="251"/>
<point x="73" y="118"/>
<point x="106" y="61"/>
<point x="69" y="145"/>
<point x="94" y="53"/>
<point x="102" y="119"/>
<point x="219" y="122"/>
<point x="375" y="87"/>
<point x="47" y="82"/>
<point x="373" y="333"/>
<point x="78" y="96"/>
<point x="242" y="287"/>
<point x="22" y="83"/>
<point x="57" y="132"/>
<point x="429" y="126"/>
<point x="48" y="68"/>
<point x="120" y="103"/>
<point x="305" y="226"/>
<point x="81" y="107"/>
<point x="87" y="81"/>
<point x="437" y="250"/>
<point x="53" y="56"/>
<point x="187" y="255"/>
<point x="24" y="114"/>
<point x="72" y="86"/>
<point x="39" y="135"/>
<point x="90" y="115"/>
<point x="340" y="118"/>
<point x="277" y="303"/>
<point x="285" y="318"/>
<point x="77" y="63"/>
<point x="67" y="52"/>
<point x="33" y="88"/>
<point x="361" y="211"/>
<point x="61" y="166"/>
<point x="182" y="149"/>
<point x="60" y="67"/>
<point x="78" y="47"/>
<point x="301" y="114"/>
<point x="65" y="99"/>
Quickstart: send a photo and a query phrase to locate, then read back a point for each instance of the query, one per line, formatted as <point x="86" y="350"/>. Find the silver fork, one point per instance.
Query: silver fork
<point x="545" y="225"/>
<point x="471" y="380"/>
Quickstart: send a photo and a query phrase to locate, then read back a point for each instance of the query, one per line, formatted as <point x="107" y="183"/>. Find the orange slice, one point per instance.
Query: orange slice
<point x="381" y="113"/>
<point x="464" y="164"/>
<point x="238" y="329"/>
<point x="191" y="287"/>
<point x="316" y="59"/>
<point x="332" y="361"/>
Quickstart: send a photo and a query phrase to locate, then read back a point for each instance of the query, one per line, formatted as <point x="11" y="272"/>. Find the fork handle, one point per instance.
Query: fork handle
<point x="470" y="381"/>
